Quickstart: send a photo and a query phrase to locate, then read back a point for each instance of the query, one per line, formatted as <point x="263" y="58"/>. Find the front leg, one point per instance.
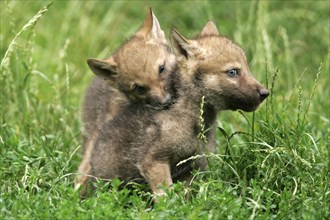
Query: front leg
<point x="84" y="170"/>
<point x="157" y="173"/>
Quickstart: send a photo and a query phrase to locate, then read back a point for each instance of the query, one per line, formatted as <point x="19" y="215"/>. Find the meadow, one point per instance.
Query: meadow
<point x="270" y="164"/>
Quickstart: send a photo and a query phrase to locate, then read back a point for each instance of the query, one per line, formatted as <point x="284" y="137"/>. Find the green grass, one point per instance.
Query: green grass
<point x="274" y="163"/>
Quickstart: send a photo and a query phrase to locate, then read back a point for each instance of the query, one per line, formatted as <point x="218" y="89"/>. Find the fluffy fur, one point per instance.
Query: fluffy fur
<point x="143" y="144"/>
<point x="140" y="71"/>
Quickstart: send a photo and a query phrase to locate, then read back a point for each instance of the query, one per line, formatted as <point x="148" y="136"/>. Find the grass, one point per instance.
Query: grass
<point x="274" y="163"/>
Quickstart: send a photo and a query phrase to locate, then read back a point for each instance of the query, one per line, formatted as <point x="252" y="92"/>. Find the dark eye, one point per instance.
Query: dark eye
<point x="232" y="73"/>
<point x="161" y="69"/>
<point x="140" y="90"/>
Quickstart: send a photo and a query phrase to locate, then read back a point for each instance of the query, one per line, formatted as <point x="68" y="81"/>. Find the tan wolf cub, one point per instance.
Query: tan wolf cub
<point x="143" y="144"/>
<point x="140" y="71"/>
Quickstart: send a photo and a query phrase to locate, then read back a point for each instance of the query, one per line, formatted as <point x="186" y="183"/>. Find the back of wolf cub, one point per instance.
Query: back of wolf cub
<point x="140" y="71"/>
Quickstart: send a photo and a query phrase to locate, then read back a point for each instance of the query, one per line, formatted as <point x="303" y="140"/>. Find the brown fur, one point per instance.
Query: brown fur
<point x="137" y="63"/>
<point x="144" y="144"/>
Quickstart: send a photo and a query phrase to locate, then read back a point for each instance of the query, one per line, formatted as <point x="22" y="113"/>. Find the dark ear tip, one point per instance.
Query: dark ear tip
<point x="89" y="61"/>
<point x="174" y="33"/>
<point x="173" y="30"/>
<point x="151" y="13"/>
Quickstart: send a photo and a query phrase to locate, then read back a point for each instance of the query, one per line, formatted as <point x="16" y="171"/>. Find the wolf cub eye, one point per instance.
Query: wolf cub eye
<point x="232" y="72"/>
<point x="161" y="69"/>
<point x="140" y="90"/>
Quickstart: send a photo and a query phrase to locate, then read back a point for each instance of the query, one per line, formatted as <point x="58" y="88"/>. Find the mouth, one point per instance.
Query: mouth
<point x="161" y="106"/>
<point x="243" y="104"/>
<point x="248" y="108"/>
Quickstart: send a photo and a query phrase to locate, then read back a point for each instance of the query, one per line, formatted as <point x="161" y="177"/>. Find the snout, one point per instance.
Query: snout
<point x="166" y="100"/>
<point x="263" y="93"/>
<point x="163" y="101"/>
<point x="247" y="100"/>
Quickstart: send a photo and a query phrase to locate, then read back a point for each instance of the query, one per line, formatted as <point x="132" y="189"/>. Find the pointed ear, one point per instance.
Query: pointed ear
<point x="151" y="29"/>
<point x="209" y="29"/>
<point x="107" y="69"/>
<point x="182" y="46"/>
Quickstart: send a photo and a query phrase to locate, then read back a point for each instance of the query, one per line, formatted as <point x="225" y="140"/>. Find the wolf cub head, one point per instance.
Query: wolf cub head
<point x="217" y="68"/>
<point x="143" y="67"/>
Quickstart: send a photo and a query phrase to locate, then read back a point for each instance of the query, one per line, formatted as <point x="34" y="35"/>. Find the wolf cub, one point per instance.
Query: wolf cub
<point x="143" y="144"/>
<point x="140" y="71"/>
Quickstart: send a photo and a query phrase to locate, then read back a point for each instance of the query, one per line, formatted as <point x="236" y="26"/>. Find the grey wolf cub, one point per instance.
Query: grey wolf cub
<point x="143" y="144"/>
<point x="140" y="71"/>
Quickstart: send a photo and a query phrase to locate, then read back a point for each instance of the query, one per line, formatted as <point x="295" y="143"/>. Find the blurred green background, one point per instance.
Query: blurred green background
<point x="44" y="76"/>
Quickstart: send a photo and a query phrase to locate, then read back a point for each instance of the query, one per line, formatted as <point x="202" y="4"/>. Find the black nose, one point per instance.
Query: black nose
<point x="263" y="93"/>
